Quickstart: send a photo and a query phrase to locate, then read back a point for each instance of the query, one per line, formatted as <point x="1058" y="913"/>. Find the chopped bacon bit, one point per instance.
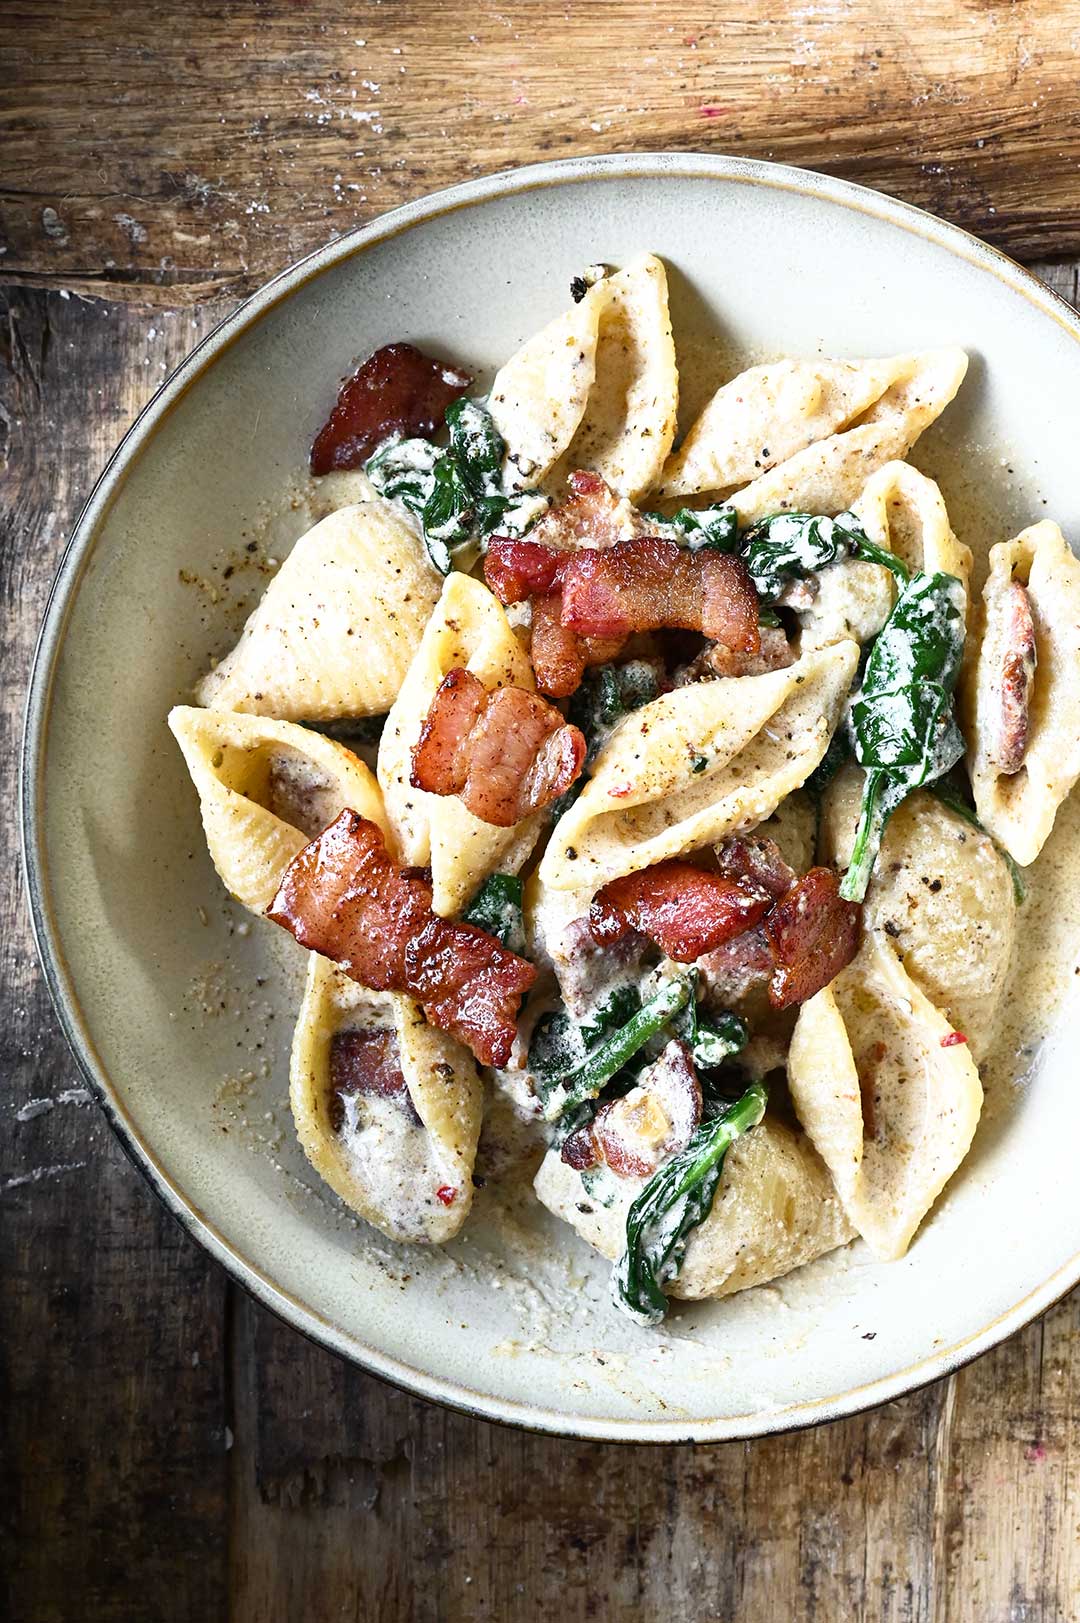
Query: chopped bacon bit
<point x="366" y="1063"/>
<point x="560" y="656"/>
<point x="447" y="1194"/>
<point x="646" y="584"/>
<point x="813" y="934"/>
<point x="1016" y="682"/>
<point x="756" y="860"/>
<point x="504" y="753"/>
<point x="593" y="516"/>
<point x="657" y="1118"/>
<point x="952" y="1039"/>
<point x="776" y="655"/>
<point x="398" y="390"/>
<point x="343" y="895"/>
<point x="687" y="911"/>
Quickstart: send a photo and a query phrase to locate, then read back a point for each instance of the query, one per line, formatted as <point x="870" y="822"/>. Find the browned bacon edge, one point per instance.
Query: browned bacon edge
<point x="686" y="910"/>
<point x="505" y="753"/>
<point x="344" y="896"/>
<point x="398" y="390"/>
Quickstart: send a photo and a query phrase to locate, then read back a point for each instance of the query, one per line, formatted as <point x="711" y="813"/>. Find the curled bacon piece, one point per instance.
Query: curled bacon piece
<point x="1016" y="681"/>
<point x="343" y="895"/>
<point x="559" y="656"/>
<point x="398" y="390"/>
<point x="687" y="911"/>
<point x="645" y="584"/>
<point x="657" y="1118"/>
<point x="504" y="753"/>
<point x="813" y="934"/>
<point x="367" y="1063"/>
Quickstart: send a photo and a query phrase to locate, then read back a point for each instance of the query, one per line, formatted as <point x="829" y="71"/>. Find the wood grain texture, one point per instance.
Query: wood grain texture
<point x="174" y="156"/>
<point x="170" y="1451"/>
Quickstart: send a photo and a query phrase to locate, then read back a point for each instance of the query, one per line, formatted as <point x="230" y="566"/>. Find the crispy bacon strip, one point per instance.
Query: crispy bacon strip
<point x="813" y="934"/>
<point x="1016" y="682"/>
<point x="504" y="753"/>
<point x="657" y="1118"/>
<point x="398" y="390"/>
<point x="366" y="1063"/>
<point x="646" y="584"/>
<point x="687" y="911"/>
<point x="343" y="895"/>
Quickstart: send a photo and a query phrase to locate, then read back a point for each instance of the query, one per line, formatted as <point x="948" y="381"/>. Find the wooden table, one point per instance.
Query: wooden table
<point x="174" y="1452"/>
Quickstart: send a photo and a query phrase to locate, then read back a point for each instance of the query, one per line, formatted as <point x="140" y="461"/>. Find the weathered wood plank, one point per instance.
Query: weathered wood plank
<point x="112" y="1387"/>
<point x="171" y="164"/>
<point x="342" y="1497"/>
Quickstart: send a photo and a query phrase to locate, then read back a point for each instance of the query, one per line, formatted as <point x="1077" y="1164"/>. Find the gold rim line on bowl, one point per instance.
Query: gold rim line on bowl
<point x="777" y="177"/>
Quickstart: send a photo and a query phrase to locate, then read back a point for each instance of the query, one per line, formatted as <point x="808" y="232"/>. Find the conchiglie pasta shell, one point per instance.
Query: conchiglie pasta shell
<point x="890" y="1110"/>
<point x="775" y="1209"/>
<point x="1019" y="808"/>
<point x="243" y="766"/>
<point x="468" y="628"/>
<point x="629" y="419"/>
<point x="829" y="475"/>
<point x="758" y="737"/>
<point x="337" y="626"/>
<point x="392" y="1181"/>
<point x="538" y="397"/>
<point x="942" y="892"/>
<point x="770" y="413"/>
<point x="901" y="511"/>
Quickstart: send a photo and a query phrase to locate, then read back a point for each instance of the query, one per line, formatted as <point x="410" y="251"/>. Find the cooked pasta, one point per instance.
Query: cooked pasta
<point x="670" y="843"/>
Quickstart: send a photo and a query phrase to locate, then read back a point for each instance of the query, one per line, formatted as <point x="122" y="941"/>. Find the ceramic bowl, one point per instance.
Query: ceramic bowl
<point x="180" y="1014"/>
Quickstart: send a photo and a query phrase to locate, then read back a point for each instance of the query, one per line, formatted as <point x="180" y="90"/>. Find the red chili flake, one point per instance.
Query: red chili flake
<point x="619" y="791"/>
<point x="447" y="1194"/>
<point x="951" y="1040"/>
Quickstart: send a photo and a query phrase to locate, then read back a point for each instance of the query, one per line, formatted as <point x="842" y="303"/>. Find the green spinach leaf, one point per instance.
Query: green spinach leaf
<point x="903" y="727"/>
<point x="674" y="1201"/>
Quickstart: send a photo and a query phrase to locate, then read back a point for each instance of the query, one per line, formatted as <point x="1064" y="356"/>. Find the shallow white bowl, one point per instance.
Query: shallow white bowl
<point x="140" y="948"/>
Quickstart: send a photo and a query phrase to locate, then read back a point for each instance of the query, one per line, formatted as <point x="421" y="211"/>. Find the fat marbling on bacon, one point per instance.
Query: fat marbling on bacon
<point x="398" y="390"/>
<point x="505" y="753"/>
<point x="344" y="896"/>
<point x="633" y="1135"/>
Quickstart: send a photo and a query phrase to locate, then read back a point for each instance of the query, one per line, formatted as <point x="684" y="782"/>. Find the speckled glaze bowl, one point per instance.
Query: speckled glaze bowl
<point x="180" y="1015"/>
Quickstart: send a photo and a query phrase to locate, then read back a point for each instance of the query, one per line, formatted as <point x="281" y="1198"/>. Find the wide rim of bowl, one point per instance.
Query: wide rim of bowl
<point x="300" y="1315"/>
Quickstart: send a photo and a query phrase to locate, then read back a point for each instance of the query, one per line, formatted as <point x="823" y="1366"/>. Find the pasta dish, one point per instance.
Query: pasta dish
<point x="678" y="791"/>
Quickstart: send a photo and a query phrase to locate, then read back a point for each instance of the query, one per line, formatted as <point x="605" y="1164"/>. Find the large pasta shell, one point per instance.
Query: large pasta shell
<point x="887" y="1095"/>
<point x="775" y="1209"/>
<point x="385" y="1165"/>
<point x="337" y="626"/>
<point x="538" y="397"/>
<point x="1019" y="808"/>
<point x="942" y="892"/>
<point x="468" y="628"/>
<point x="265" y="789"/>
<point x="701" y="762"/>
<point x="629" y="421"/>
<point x="829" y="475"/>
<point x="770" y="413"/>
